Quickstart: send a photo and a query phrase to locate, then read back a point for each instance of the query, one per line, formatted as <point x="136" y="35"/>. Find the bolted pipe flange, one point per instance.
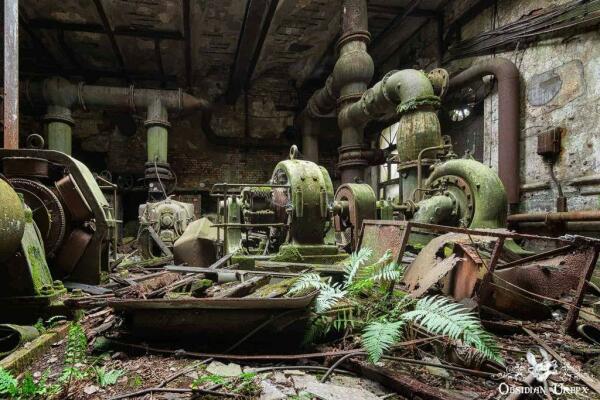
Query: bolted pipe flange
<point x="357" y="35"/>
<point x="157" y="122"/>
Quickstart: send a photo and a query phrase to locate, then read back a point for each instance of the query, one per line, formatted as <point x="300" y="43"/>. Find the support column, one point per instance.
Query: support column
<point x="11" y="74"/>
<point x="60" y="128"/>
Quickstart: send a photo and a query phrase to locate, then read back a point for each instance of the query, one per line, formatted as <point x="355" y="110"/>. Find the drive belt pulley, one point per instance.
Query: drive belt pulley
<point x="48" y="212"/>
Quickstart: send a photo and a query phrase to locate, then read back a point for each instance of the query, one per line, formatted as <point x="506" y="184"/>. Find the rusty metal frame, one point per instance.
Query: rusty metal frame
<point x="591" y="246"/>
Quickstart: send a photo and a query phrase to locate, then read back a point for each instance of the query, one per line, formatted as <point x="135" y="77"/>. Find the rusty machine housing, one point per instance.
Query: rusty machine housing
<point x="73" y="218"/>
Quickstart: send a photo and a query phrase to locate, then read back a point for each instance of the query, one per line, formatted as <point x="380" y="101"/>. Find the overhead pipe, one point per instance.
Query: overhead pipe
<point x="507" y="75"/>
<point x="61" y="96"/>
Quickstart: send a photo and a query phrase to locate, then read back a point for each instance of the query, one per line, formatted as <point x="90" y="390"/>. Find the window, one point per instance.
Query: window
<point x="388" y="182"/>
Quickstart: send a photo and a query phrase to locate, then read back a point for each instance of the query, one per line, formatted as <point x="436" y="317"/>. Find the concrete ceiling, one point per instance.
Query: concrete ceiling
<point x="217" y="45"/>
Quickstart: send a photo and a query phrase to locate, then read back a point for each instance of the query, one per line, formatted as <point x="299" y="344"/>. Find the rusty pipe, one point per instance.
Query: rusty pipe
<point x="568" y="216"/>
<point x="11" y="74"/>
<point x="57" y="91"/>
<point x="507" y="75"/>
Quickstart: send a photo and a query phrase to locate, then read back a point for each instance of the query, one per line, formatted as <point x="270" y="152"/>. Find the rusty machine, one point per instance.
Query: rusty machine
<point x="56" y="226"/>
<point x="436" y="186"/>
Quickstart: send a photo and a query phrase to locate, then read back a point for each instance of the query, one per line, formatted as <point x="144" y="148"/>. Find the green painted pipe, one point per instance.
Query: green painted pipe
<point x="59" y="137"/>
<point x="157" y="123"/>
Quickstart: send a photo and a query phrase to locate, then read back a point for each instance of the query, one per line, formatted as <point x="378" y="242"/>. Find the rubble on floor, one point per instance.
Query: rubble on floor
<point x="170" y="332"/>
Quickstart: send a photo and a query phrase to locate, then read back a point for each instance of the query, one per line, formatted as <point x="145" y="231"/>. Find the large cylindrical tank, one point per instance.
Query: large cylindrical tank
<point x="12" y="220"/>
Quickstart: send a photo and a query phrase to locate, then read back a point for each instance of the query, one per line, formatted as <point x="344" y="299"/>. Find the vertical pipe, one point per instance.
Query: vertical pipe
<point x="157" y="124"/>
<point x="310" y="142"/>
<point x="352" y="74"/>
<point x="11" y="74"/>
<point x="59" y="126"/>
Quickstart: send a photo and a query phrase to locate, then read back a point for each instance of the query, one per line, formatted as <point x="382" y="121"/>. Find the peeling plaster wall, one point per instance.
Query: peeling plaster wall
<point x="560" y="86"/>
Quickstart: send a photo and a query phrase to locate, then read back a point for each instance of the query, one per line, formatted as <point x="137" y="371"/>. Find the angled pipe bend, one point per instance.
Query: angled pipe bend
<point x="508" y="77"/>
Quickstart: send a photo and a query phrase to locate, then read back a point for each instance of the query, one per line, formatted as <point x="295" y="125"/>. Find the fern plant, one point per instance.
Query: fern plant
<point x="441" y="316"/>
<point x="379" y="336"/>
<point x="8" y="383"/>
<point x="357" y="259"/>
<point x="75" y="354"/>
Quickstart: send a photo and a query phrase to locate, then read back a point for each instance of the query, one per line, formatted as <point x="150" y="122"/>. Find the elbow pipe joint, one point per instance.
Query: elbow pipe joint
<point x="508" y="77"/>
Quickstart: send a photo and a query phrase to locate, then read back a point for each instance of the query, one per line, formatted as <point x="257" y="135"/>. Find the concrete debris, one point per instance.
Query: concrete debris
<point x="309" y="384"/>
<point x="221" y="369"/>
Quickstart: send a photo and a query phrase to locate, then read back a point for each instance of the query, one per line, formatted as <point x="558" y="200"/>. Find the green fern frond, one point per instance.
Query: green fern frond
<point x="378" y="337"/>
<point x="388" y="273"/>
<point x="307" y="282"/>
<point x="443" y="317"/>
<point x="328" y="297"/>
<point x="357" y="259"/>
<point x="75" y="354"/>
<point x="8" y="383"/>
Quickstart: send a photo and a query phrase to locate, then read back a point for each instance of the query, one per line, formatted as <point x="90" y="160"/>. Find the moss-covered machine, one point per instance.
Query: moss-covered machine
<point x="287" y="219"/>
<point x="435" y="186"/>
<point x="291" y="217"/>
<point x="55" y="225"/>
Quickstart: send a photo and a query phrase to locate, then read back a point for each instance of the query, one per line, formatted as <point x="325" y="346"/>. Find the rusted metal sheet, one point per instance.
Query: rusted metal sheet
<point x="215" y="318"/>
<point x="381" y="236"/>
<point x="11" y="74"/>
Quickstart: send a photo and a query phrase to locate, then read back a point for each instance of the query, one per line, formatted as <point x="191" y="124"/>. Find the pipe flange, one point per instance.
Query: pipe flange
<point x="362" y="35"/>
<point x="419" y="102"/>
<point x="384" y="80"/>
<point x="157" y="122"/>
<point x="353" y="97"/>
<point x="59" y="117"/>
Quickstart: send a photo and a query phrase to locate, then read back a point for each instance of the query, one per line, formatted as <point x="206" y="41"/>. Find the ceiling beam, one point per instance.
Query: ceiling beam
<point x="111" y="36"/>
<point x="257" y="13"/>
<point x="395" y="23"/>
<point x="388" y="9"/>
<point x="43" y="23"/>
<point x="35" y="39"/>
<point x="60" y="34"/>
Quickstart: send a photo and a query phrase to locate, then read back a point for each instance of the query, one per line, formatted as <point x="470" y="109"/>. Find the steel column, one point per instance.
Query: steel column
<point x="11" y="74"/>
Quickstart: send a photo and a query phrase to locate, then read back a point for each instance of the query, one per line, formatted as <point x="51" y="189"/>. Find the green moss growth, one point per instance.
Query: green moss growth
<point x="244" y="262"/>
<point x="288" y="253"/>
<point x="273" y="290"/>
<point x="199" y="287"/>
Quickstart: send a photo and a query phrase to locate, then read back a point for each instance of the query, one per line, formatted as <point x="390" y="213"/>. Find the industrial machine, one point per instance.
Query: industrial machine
<point x="287" y="218"/>
<point x="71" y="216"/>
<point x="161" y="224"/>
<point x="294" y="212"/>
<point x="27" y="288"/>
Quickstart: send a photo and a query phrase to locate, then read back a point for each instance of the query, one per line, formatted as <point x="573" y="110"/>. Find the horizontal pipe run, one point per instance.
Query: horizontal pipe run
<point x="58" y="91"/>
<point x="568" y="216"/>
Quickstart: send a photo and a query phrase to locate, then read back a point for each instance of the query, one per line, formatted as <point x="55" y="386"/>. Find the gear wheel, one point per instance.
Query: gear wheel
<point x="48" y="212"/>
